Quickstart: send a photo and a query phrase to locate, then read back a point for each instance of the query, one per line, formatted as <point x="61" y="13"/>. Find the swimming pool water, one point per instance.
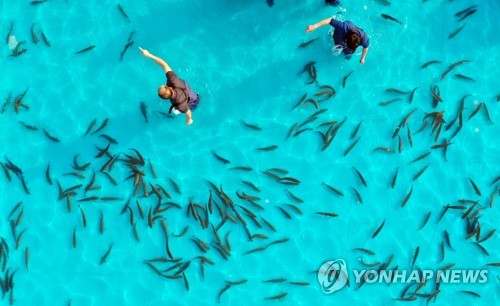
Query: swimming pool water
<point x="243" y="59"/>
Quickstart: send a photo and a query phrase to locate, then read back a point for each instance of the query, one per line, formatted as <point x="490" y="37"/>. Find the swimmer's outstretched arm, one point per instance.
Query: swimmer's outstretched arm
<point x="158" y="60"/>
<point x="363" y="55"/>
<point x="313" y="27"/>
<point x="189" y="118"/>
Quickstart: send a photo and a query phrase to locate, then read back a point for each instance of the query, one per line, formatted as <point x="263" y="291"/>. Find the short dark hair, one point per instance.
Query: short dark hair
<point x="352" y="39"/>
<point x="164" y="92"/>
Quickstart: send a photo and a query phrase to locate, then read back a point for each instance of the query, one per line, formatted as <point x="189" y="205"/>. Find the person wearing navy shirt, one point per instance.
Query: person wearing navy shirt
<point x="346" y="36"/>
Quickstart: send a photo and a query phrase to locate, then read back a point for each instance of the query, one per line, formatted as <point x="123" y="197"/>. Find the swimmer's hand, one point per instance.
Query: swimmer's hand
<point x="145" y="52"/>
<point x="362" y="61"/>
<point x="189" y="121"/>
<point x="311" y="28"/>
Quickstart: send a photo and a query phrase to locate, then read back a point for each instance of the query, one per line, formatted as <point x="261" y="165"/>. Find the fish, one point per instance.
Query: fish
<point x="454" y="33"/>
<point x="335" y="190"/>
<point x="124" y="14"/>
<point x="284" y="212"/>
<point x="292" y="129"/>
<point x="277" y="297"/>
<point x="356" y="192"/>
<point x="29" y="127"/>
<point x="385" y="149"/>
<point x="74" y="238"/>
<point x="458" y="14"/>
<point x="307" y="43"/>
<point x="420" y="173"/>
<point x="464" y="77"/>
<point x="91" y="125"/>
<point x="269" y="148"/>
<point x="144" y="111"/>
<point x="351" y="147"/>
<point x="125" y="48"/>
<point x="109" y="138"/>
<point x="300" y="101"/>
<point x="400" y="147"/>
<point x="131" y="35"/>
<point x="176" y="187"/>
<point x="398" y="91"/>
<point x="37" y="2"/>
<point x="54" y="139"/>
<point x="221" y="159"/>
<point x="228" y="285"/>
<point x="408" y="135"/>
<point x="84" y="218"/>
<point x="435" y="94"/>
<point x="270" y="3"/>
<point x="476" y="110"/>
<point x="344" y="80"/>
<point x="412" y="94"/>
<point x="311" y="101"/>
<point x="420" y="157"/>
<point x="102" y="126"/>
<point x="487" y="236"/>
<point x="366" y="251"/>
<point x="378" y="230"/>
<point x="26" y="257"/>
<point x="101" y="224"/>
<point x="326" y="93"/>
<point x="244" y="168"/>
<point x="310" y="119"/>
<point x="301" y="131"/>
<point x="387" y="17"/>
<point x="103" y="151"/>
<point x="105" y="256"/>
<point x="11" y="29"/>
<point x="313" y="74"/>
<point x="384" y="2"/>
<point x="453" y="66"/>
<point x="417" y="251"/>
<point x="469" y="13"/>
<point x="394" y="178"/>
<point x="487" y="114"/>
<point x="45" y="39"/>
<point x="85" y="49"/>
<point x="299" y="200"/>
<point x="407" y="197"/>
<point x="33" y="35"/>
<point x="275" y="280"/>
<point x="476" y="189"/>
<point x="447" y="239"/>
<point x="251" y="126"/>
<point x="327" y="214"/>
<point x="259" y="249"/>
<point x="430" y="63"/>
<point x="423" y="127"/>
<point x="362" y="179"/>
<point x="471" y="293"/>
<point x="385" y="103"/>
<point x="355" y="132"/>
<point x="426" y="219"/>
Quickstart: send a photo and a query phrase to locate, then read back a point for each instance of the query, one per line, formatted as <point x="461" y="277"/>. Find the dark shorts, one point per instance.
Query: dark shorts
<point x="194" y="104"/>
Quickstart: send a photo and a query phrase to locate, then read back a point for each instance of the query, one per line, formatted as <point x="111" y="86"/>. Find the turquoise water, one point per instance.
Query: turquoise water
<point x="242" y="57"/>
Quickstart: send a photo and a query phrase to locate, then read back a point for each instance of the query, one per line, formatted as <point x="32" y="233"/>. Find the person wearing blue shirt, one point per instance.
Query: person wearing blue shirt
<point x="346" y="36"/>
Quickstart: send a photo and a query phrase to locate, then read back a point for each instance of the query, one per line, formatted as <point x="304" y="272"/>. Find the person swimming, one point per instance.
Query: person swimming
<point x="346" y="36"/>
<point x="182" y="97"/>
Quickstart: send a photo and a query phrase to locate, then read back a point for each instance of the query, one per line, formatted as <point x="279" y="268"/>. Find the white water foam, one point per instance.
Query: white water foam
<point x="12" y="42"/>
